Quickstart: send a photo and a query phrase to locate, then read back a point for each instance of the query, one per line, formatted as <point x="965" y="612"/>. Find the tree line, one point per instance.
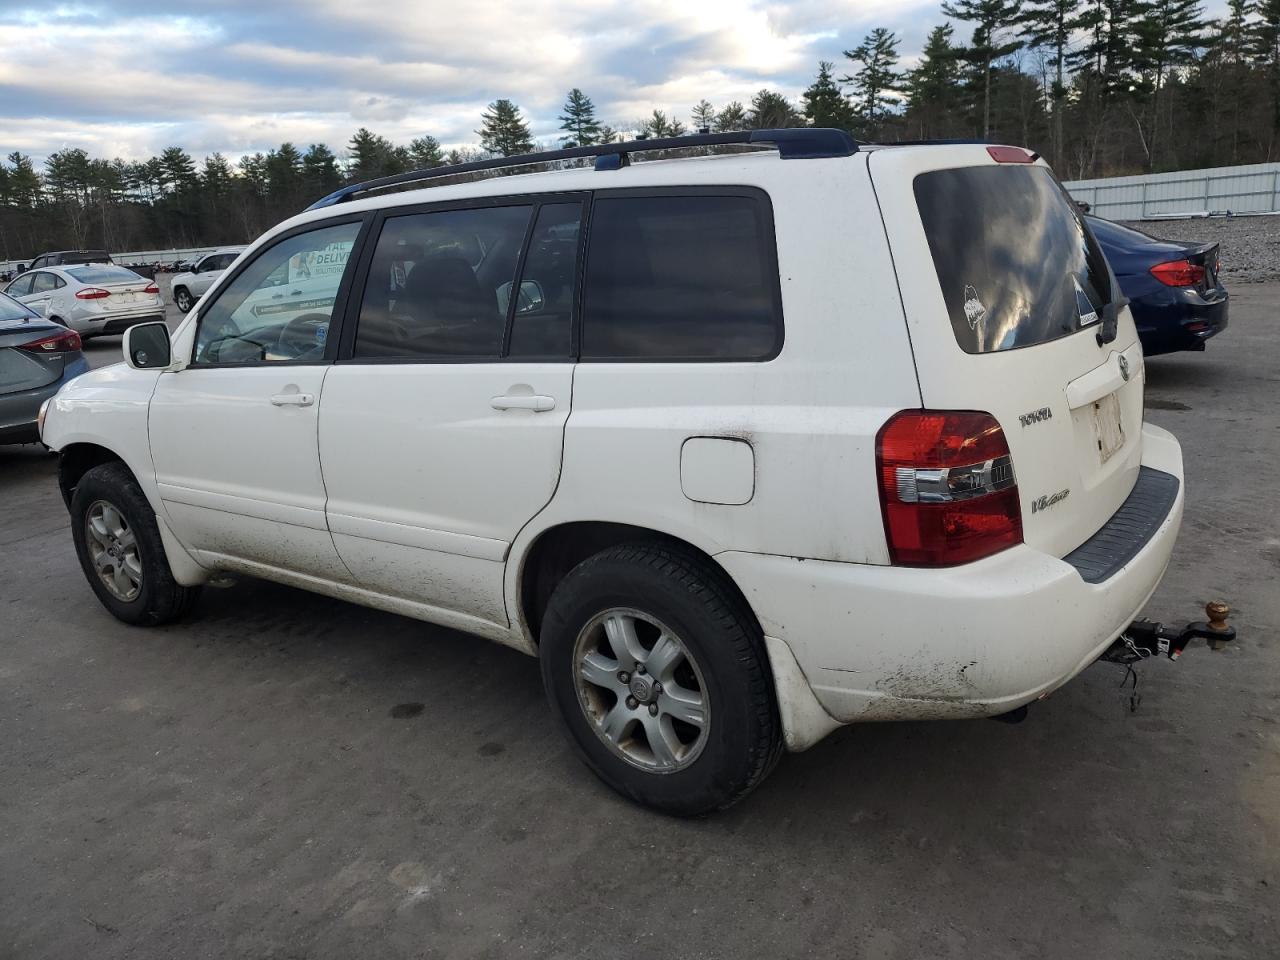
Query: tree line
<point x="1099" y="87"/>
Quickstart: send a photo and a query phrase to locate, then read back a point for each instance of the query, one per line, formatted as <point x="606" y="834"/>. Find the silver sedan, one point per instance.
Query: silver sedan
<point x="91" y="298"/>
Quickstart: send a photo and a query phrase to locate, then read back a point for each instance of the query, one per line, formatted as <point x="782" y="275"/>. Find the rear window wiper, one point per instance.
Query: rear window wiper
<point x="1111" y="318"/>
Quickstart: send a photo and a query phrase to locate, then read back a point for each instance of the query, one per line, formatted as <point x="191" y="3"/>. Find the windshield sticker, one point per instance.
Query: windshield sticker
<point x="1083" y="305"/>
<point x="974" y="311"/>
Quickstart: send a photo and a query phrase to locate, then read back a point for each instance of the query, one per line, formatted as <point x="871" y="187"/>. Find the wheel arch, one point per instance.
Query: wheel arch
<point x="77" y="459"/>
<point x="559" y="548"/>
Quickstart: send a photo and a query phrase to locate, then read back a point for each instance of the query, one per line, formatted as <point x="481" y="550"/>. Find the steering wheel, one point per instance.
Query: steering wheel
<point x="300" y="343"/>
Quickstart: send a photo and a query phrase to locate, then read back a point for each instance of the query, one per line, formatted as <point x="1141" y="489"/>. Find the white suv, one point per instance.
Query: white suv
<point x="190" y="285"/>
<point x="765" y="443"/>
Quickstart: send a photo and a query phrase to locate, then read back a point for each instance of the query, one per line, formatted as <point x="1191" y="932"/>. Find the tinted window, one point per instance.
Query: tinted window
<point x="681" y="278"/>
<point x="102" y="273"/>
<point x="542" y="324"/>
<point x="278" y="308"/>
<point x="439" y="284"/>
<point x="20" y="287"/>
<point x="1016" y="263"/>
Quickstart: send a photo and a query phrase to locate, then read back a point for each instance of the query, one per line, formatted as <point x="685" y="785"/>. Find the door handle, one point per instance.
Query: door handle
<point x="525" y="401"/>
<point x="293" y="399"/>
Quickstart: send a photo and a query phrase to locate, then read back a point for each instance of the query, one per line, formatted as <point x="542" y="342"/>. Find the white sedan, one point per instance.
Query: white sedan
<point x="91" y="298"/>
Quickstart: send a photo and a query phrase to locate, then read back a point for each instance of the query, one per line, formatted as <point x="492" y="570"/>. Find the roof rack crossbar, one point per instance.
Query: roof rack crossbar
<point x="793" y="143"/>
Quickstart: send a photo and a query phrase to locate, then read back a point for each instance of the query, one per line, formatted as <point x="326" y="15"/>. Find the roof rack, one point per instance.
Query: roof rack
<point x="793" y="143"/>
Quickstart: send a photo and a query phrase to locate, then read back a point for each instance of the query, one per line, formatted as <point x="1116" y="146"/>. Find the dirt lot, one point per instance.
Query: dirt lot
<point x="290" y="776"/>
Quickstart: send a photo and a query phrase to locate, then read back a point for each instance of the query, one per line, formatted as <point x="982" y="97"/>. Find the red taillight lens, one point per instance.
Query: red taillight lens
<point x="946" y="487"/>
<point x="1178" y="273"/>
<point x="92" y="293"/>
<point x="151" y="288"/>
<point x="58" y="343"/>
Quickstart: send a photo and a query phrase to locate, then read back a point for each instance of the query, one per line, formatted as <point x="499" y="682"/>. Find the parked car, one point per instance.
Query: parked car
<point x="63" y="257"/>
<point x="37" y="357"/>
<point x="1178" y="301"/>
<point x="189" y="285"/>
<point x="93" y="299"/>
<point x="735" y="466"/>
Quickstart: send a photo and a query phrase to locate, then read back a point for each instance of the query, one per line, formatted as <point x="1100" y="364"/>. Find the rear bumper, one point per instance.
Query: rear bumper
<point x="1183" y="324"/>
<point x="894" y="643"/>
<point x="112" y="322"/>
<point x="18" y="410"/>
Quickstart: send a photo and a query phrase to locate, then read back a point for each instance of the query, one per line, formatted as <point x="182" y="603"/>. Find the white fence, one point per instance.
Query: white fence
<point x="1254" y="188"/>
<point x="134" y="256"/>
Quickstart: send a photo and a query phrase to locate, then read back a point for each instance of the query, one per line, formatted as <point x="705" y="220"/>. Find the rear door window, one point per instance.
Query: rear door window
<point x="681" y="277"/>
<point x="1016" y="263"/>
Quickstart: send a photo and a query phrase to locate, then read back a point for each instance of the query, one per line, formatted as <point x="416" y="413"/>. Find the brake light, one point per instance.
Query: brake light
<point x="1012" y="155"/>
<point x="58" y="343"/>
<point x="1178" y="273"/>
<point x="151" y="288"/>
<point x="92" y="293"/>
<point x="947" y="488"/>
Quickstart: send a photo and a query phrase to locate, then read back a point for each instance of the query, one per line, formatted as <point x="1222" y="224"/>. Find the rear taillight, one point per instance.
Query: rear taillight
<point x="58" y="343"/>
<point x="947" y="488"/>
<point x="151" y="288"/>
<point x="92" y="293"/>
<point x="1178" y="273"/>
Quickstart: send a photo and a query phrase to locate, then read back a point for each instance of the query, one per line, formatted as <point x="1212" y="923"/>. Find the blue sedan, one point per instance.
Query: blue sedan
<point x="1177" y="300"/>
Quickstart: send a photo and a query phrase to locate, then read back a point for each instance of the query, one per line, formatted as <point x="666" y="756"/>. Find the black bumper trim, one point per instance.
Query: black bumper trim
<point x="1130" y="528"/>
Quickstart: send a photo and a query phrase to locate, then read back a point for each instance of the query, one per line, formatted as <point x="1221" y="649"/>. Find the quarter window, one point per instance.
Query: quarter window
<point x="279" y="307"/>
<point x="681" y="278"/>
<point x="440" y="284"/>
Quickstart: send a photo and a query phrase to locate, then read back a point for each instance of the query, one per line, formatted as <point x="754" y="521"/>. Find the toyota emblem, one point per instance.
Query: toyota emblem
<point x="1124" y="368"/>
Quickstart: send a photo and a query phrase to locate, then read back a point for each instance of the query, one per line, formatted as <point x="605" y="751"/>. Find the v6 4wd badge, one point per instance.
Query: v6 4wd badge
<point x="1044" y="503"/>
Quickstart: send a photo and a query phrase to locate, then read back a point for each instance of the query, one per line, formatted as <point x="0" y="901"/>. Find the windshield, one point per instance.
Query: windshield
<point x="11" y="309"/>
<point x="102" y="273"/>
<point x="1015" y="260"/>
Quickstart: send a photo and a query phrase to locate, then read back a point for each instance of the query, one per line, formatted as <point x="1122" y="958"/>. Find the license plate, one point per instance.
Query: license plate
<point x="1108" y="426"/>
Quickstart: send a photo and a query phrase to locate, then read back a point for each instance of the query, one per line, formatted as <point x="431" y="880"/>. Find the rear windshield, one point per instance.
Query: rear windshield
<point x="11" y="309"/>
<point x="1016" y="263"/>
<point x="102" y="273"/>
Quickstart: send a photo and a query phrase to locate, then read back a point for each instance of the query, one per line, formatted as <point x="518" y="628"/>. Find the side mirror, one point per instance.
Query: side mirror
<point x="22" y="268"/>
<point x="146" y="346"/>
<point x="530" y="299"/>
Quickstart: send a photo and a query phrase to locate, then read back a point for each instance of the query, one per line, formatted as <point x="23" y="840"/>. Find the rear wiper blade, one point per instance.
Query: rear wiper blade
<point x="1111" y="319"/>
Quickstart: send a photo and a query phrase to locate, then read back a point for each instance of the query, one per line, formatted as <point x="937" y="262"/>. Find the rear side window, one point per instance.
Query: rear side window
<point x="681" y="278"/>
<point x="1016" y="263"/>
<point x="102" y="274"/>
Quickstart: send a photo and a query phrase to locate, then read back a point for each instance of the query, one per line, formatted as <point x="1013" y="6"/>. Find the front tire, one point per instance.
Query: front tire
<point x="659" y="673"/>
<point x="182" y="300"/>
<point x="120" y="550"/>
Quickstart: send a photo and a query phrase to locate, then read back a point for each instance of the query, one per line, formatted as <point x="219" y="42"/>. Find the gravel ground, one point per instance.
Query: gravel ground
<point x="1250" y="245"/>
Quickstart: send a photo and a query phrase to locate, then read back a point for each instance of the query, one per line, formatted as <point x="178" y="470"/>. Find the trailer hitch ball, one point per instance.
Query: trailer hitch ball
<point x="1217" y="612"/>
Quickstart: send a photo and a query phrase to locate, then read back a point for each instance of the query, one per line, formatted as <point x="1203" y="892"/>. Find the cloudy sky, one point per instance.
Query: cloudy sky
<point x="119" y="79"/>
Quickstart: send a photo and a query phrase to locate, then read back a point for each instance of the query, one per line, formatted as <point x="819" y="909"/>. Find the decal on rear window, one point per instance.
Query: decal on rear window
<point x="974" y="311"/>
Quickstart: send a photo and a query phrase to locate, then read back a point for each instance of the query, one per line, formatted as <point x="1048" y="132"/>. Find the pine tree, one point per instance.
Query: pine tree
<point x="178" y="169"/>
<point x="703" y="115"/>
<point x="320" y="170"/>
<point x="993" y="39"/>
<point x="425" y="152"/>
<point x="732" y="117"/>
<point x="503" y="131"/>
<point x="824" y="103"/>
<point x="1168" y="32"/>
<point x="370" y="156"/>
<point x="578" y="120"/>
<point x="658" y="124"/>
<point x="1266" y="54"/>
<point x="932" y="86"/>
<point x="1048" y="25"/>
<point x="607" y="134"/>
<point x="771" y="110"/>
<point x="874" y="78"/>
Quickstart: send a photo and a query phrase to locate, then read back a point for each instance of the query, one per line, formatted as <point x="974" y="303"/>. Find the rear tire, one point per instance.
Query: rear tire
<point x="622" y="623"/>
<point x="120" y="550"/>
<point x="183" y="300"/>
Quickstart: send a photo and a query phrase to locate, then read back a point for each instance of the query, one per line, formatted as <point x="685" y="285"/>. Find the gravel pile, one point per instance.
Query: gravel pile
<point x="1250" y="245"/>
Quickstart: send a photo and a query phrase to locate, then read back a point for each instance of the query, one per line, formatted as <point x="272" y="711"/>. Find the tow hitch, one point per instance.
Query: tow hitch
<point x="1146" y="638"/>
<point x="1143" y="639"/>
